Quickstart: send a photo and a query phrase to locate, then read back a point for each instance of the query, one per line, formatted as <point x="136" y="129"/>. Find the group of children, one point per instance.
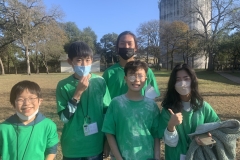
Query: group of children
<point x="114" y="114"/>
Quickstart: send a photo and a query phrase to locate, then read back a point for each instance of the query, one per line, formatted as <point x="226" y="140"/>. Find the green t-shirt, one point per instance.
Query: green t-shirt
<point x="191" y="120"/>
<point x="34" y="140"/>
<point x="114" y="77"/>
<point x="94" y="102"/>
<point x="135" y="125"/>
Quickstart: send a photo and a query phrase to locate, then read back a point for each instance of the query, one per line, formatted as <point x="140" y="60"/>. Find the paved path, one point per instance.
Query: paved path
<point x="230" y="77"/>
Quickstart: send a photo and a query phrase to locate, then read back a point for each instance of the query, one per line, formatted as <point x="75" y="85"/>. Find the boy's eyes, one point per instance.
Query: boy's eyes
<point x="79" y="60"/>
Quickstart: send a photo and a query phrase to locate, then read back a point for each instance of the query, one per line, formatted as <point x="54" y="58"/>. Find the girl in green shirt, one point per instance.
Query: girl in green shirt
<point x="183" y="110"/>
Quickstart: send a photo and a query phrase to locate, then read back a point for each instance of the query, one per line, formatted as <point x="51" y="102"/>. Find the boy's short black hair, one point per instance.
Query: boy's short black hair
<point x="18" y="88"/>
<point x="79" y="49"/>
<point x="134" y="66"/>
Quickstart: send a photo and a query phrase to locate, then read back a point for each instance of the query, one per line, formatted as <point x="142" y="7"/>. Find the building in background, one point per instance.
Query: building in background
<point x="183" y="10"/>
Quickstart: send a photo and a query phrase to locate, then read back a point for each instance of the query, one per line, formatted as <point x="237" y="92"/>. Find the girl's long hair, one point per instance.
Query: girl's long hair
<point x="172" y="98"/>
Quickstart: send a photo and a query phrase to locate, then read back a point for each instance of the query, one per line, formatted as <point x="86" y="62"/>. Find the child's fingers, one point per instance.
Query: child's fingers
<point x="171" y="112"/>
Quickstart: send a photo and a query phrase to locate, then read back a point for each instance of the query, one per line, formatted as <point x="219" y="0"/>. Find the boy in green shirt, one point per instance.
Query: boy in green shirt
<point x="27" y="134"/>
<point x="131" y="122"/>
<point x="126" y="46"/>
<point x="82" y="100"/>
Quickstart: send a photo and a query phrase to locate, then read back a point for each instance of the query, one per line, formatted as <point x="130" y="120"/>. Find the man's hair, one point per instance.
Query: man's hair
<point x="79" y="49"/>
<point x="172" y="98"/>
<point x="123" y="34"/>
<point x="134" y="66"/>
<point x="18" y="88"/>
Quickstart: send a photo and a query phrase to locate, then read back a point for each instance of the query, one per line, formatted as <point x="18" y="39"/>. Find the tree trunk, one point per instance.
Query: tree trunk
<point x="192" y="61"/>
<point x="28" y="61"/>
<point x="172" y="61"/>
<point x="8" y="59"/>
<point x="184" y="58"/>
<point x="37" y="64"/>
<point x="15" y="69"/>
<point x="3" y="72"/>
<point x="210" y="62"/>
<point x="45" y="65"/>
<point x="210" y="59"/>
<point x="33" y="64"/>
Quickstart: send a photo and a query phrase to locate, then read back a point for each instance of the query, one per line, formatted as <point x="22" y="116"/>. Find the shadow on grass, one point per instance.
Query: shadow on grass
<point x="218" y="94"/>
<point x="212" y="76"/>
<point x="201" y="74"/>
<point x="162" y="73"/>
<point x="228" y="116"/>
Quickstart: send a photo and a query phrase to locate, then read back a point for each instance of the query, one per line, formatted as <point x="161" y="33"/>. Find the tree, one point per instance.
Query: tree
<point x="75" y="34"/>
<point x="71" y="30"/>
<point x="173" y="37"/>
<point x="11" y="55"/>
<point x="108" y="43"/>
<point x="6" y="35"/>
<point x="148" y="38"/>
<point x="229" y="50"/>
<point x="88" y="36"/>
<point x="51" y="43"/>
<point x="225" y="16"/>
<point x="27" y="16"/>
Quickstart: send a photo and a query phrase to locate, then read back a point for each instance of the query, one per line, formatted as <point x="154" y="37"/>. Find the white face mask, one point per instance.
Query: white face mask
<point x="183" y="87"/>
<point x="26" y="118"/>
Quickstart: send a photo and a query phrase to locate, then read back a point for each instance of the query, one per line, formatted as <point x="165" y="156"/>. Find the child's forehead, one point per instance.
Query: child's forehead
<point x="82" y="57"/>
<point x="137" y="71"/>
<point x="27" y="91"/>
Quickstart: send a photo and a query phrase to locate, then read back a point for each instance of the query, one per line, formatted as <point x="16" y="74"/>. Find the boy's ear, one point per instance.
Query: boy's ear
<point x="69" y="61"/>
<point x="40" y="101"/>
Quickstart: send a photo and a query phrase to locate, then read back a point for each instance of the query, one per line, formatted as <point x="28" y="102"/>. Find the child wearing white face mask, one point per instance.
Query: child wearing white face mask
<point x="183" y="110"/>
<point x="27" y="134"/>
<point x="82" y="100"/>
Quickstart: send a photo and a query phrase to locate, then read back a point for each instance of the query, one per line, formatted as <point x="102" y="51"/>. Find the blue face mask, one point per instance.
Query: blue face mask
<point x="82" y="70"/>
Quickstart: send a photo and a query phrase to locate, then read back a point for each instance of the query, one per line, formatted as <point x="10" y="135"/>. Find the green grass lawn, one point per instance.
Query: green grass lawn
<point x="222" y="94"/>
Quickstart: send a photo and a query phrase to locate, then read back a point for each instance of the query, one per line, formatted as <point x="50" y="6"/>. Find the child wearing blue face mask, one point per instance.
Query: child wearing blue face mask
<point x="82" y="100"/>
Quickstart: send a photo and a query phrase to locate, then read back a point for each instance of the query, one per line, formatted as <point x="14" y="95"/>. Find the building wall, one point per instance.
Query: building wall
<point x="182" y="10"/>
<point x="172" y="10"/>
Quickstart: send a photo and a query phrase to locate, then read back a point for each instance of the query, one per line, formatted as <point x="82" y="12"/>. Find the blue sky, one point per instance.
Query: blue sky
<point x="107" y="16"/>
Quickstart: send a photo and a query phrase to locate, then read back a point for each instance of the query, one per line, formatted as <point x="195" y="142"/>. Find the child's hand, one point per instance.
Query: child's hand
<point x="81" y="87"/>
<point x="83" y="83"/>
<point x="175" y="119"/>
<point x="199" y="142"/>
<point x="106" y="149"/>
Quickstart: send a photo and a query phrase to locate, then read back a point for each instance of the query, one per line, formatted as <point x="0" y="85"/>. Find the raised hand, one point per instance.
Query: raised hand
<point x="81" y="87"/>
<point x="175" y="119"/>
<point x="83" y="83"/>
